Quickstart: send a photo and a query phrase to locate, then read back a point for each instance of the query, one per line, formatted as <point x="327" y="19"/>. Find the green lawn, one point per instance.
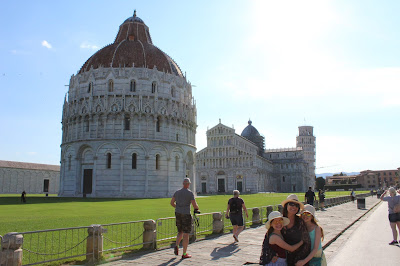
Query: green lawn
<point x="41" y="212"/>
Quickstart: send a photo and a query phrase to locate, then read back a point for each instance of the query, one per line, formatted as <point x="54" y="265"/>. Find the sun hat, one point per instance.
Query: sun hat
<point x="273" y="215"/>
<point x="186" y="180"/>
<point x="310" y="209"/>
<point x="292" y="198"/>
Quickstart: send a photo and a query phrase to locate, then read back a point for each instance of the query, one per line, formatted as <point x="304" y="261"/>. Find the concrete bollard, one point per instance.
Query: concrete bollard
<point x="149" y="234"/>
<point x="280" y="208"/>
<point x="218" y="224"/>
<point x="270" y="209"/>
<point x="94" y="242"/>
<point x="256" y="219"/>
<point x="11" y="252"/>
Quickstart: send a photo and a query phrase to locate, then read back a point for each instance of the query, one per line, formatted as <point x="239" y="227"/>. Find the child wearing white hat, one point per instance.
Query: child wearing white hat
<point x="316" y="256"/>
<point x="273" y="244"/>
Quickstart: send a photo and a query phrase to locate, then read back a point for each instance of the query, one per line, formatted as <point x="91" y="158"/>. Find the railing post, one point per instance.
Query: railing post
<point x="270" y="209"/>
<point x="149" y="234"/>
<point x="94" y="243"/>
<point x="218" y="224"/>
<point x="256" y="219"/>
<point x="11" y="252"/>
<point x="280" y="208"/>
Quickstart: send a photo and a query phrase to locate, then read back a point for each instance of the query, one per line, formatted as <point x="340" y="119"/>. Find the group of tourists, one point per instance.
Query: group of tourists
<point x="293" y="237"/>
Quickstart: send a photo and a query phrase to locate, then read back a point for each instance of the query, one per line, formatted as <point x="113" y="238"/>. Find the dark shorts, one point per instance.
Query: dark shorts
<point x="322" y="200"/>
<point x="394" y="217"/>
<point x="184" y="222"/>
<point x="236" y="219"/>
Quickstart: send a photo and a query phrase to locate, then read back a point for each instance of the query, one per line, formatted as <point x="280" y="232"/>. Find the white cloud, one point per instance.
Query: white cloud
<point x="46" y="44"/>
<point x="86" y="45"/>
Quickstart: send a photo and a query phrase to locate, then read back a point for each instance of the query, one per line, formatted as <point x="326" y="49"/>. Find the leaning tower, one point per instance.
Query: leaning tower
<point x="306" y="140"/>
<point x="128" y="122"/>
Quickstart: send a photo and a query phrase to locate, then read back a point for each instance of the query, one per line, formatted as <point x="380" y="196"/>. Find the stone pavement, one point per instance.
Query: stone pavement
<point x="367" y="244"/>
<point x="222" y="250"/>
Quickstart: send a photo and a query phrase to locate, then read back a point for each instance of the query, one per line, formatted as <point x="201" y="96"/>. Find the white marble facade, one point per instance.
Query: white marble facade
<point x="128" y="130"/>
<point x="16" y="177"/>
<point x="231" y="161"/>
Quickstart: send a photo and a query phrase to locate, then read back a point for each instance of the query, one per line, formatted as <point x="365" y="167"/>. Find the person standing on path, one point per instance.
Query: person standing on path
<point x="181" y="201"/>
<point x="309" y="197"/>
<point x="353" y="195"/>
<point x="296" y="230"/>
<point x="234" y="213"/>
<point x="321" y="196"/>
<point x="393" y="201"/>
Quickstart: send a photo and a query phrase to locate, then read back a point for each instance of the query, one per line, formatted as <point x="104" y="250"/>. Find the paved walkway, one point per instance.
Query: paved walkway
<point x="224" y="251"/>
<point x="368" y="243"/>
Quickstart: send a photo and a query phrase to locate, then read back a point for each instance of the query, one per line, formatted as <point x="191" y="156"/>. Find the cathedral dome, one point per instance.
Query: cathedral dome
<point x="132" y="47"/>
<point x="250" y="131"/>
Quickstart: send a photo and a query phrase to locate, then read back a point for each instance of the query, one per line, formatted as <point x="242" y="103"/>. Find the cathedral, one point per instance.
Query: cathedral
<point x="241" y="162"/>
<point x="128" y="121"/>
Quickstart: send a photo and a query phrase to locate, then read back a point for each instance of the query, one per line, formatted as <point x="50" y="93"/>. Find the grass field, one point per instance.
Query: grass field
<point x="41" y="212"/>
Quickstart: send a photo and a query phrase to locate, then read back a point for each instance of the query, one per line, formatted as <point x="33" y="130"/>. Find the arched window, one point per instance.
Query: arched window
<point x="127" y="122"/>
<point x="177" y="163"/>
<point x="157" y="162"/>
<point x="133" y="86"/>
<point x="158" y="124"/>
<point x="283" y="178"/>
<point x="108" y="160"/>
<point x="177" y="137"/>
<point x="90" y="87"/>
<point x="153" y="87"/>
<point x="87" y="124"/>
<point x="173" y="92"/>
<point x="69" y="162"/>
<point x="134" y="161"/>
<point x="110" y="85"/>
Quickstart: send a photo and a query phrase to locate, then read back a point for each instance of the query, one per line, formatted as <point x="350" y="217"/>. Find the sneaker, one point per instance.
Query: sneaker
<point x="393" y="242"/>
<point x="236" y="238"/>
<point x="186" y="256"/>
<point x="176" y="250"/>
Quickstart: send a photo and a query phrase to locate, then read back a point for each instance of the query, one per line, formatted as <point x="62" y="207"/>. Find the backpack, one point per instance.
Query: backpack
<point x="235" y="206"/>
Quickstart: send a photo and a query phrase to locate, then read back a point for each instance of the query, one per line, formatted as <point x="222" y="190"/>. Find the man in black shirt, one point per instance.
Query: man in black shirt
<point x="234" y="212"/>
<point x="309" y="197"/>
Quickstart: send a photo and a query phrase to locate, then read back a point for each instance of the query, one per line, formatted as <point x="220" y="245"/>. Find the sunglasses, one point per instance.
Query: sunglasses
<point x="294" y="204"/>
<point x="306" y="214"/>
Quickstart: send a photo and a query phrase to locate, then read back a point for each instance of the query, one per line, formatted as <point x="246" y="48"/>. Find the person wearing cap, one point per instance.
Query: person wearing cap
<point x="181" y="201"/>
<point x="316" y="256"/>
<point x="393" y="201"/>
<point x="274" y="245"/>
<point x="296" y="230"/>
<point x="234" y="213"/>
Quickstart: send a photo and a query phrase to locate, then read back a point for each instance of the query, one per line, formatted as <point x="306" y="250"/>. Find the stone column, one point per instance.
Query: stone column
<point x="149" y="234"/>
<point x="218" y="224"/>
<point x="256" y="219"/>
<point x="121" y="174"/>
<point x="146" y="182"/>
<point x="94" y="242"/>
<point x="11" y="252"/>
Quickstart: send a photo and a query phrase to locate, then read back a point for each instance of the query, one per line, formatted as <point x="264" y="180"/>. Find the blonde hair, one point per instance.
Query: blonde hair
<point x="322" y="230"/>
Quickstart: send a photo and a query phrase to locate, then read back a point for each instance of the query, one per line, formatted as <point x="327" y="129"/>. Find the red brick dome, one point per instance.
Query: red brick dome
<point x="132" y="47"/>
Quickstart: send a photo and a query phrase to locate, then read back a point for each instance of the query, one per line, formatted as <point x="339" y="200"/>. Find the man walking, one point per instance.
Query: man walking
<point x="309" y="197"/>
<point x="234" y="212"/>
<point x="181" y="202"/>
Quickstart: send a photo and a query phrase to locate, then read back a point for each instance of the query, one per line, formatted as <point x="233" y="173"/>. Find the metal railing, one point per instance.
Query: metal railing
<point x="166" y="229"/>
<point x="55" y="244"/>
<point x="123" y="235"/>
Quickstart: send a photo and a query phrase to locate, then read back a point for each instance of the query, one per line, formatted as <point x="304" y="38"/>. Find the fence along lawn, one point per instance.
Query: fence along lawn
<point x="40" y="213"/>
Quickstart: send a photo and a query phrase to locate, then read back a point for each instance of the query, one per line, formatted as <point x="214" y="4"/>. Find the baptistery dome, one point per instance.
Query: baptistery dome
<point x="132" y="47"/>
<point x="128" y="122"/>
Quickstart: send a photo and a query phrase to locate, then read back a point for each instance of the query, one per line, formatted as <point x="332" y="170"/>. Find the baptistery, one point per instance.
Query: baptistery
<point x="128" y="122"/>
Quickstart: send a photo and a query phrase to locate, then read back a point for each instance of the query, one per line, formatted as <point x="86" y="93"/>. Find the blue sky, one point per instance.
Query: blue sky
<point x="330" y="64"/>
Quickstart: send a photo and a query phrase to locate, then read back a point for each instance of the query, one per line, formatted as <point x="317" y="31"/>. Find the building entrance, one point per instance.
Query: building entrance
<point x="221" y="185"/>
<point x="87" y="181"/>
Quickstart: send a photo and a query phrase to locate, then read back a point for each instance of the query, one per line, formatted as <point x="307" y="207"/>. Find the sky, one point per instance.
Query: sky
<point x="333" y="65"/>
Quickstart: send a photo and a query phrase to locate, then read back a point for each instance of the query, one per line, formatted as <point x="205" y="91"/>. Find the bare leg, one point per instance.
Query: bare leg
<point x="185" y="242"/>
<point x="239" y="230"/>
<point x="179" y="238"/>
<point x="235" y="228"/>
<point x="398" y="227"/>
<point x="394" y="231"/>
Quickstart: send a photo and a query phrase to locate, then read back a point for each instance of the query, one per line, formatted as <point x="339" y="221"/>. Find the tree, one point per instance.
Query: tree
<point x="319" y="183"/>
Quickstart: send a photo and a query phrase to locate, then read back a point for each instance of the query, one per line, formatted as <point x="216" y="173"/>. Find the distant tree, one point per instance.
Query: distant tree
<point x="319" y="183"/>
